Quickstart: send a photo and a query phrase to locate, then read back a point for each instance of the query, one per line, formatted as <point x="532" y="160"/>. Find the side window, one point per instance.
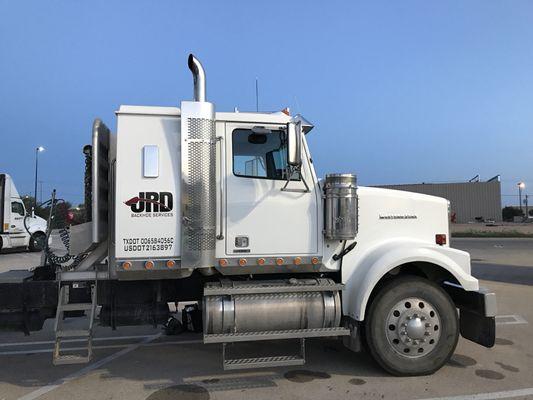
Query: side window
<point x="260" y="155"/>
<point x="17" y="208"/>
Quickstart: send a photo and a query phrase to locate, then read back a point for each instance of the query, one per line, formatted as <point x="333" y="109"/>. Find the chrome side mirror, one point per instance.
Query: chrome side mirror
<point x="294" y="143"/>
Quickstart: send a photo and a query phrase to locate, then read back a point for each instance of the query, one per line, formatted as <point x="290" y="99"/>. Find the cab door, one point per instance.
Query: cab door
<point x="17" y="232"/>
<point x="261" y="218"/>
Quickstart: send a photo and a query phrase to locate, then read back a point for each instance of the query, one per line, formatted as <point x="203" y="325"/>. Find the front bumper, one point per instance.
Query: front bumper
<point x="477" y="313"/>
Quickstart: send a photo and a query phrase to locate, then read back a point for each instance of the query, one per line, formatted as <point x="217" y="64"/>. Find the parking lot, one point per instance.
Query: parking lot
<point x="142" y="363"/>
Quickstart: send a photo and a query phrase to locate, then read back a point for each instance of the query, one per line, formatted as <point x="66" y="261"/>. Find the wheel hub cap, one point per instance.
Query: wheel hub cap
<point x="413" y="327"/>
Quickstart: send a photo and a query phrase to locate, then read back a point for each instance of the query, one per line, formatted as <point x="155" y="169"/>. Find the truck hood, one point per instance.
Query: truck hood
<point x="395" y="213"/>
<point x="36" y="224"/>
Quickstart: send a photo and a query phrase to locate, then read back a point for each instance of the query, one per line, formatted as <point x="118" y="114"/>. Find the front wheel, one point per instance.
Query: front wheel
<point x="411" y="327"/>
<point x="37" y="241"/>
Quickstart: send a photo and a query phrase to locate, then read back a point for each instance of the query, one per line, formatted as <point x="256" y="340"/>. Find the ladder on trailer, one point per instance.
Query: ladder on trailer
<point x="86" y="335"/>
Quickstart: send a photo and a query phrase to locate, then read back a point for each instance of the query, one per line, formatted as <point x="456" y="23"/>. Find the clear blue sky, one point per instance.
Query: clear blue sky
<point x="400" y="92"/>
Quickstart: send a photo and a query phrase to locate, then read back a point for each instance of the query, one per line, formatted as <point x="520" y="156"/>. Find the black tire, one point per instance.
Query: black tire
<point x="37" y="241"/>
<point x="397" y="339"/>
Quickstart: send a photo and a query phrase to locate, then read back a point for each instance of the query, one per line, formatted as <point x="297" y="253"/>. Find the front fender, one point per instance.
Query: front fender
<point x="363" y="273"/>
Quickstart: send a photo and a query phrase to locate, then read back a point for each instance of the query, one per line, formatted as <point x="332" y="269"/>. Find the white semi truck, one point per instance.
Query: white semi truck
<point x="225" y="208"/>
<point x="19" y="229"/>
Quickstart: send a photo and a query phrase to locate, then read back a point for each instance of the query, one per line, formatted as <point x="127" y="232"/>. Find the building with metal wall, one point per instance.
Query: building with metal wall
<point x="469" y="200"/>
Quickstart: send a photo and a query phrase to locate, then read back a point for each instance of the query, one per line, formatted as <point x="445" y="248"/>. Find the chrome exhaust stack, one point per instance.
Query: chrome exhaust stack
<point x="198" y="75"/>
<point x="198" y="176"/>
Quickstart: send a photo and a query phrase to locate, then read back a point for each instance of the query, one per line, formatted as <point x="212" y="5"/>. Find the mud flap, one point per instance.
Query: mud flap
<point x="477" y="328"/>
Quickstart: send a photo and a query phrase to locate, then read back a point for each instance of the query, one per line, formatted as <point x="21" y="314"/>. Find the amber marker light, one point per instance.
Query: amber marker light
<point x="297" y="260"/>
<point x="149" y="265"/>
<point x="279" y="261"/>
<point x="314" y="260"/>
<point x="222" y="262"/>
<point x="261" y="261"/>
<point x="242" y="262"/>
<point x="126" y="265"/>
<point x="171" y="263"/>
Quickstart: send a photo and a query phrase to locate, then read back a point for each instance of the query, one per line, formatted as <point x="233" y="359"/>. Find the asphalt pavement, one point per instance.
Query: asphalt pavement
<point x="142" y="363"/>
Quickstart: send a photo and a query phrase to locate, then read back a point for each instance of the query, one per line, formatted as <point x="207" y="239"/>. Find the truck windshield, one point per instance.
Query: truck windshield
<point x="261" y="155"/>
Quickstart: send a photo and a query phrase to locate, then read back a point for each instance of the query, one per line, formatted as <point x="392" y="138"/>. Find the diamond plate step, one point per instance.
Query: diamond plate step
<point x="275" y="335"/>
<point x="216" y="290"/>
<point x="73" y="333"/>
<point x="70" y="359"/>
<point x="263" y="362"/>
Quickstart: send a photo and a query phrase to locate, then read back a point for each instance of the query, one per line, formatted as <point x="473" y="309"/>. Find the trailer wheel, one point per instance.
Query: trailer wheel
<point x="411" y="327"/>
<point x="37" y="241"/>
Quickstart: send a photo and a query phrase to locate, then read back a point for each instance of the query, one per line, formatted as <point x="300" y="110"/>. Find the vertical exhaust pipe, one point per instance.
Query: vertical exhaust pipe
<point x="198" y="75"/>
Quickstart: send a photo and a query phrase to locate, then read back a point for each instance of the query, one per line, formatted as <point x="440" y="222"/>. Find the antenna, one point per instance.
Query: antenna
<point x="474" y="179"/>
<point x="257" y="94"/>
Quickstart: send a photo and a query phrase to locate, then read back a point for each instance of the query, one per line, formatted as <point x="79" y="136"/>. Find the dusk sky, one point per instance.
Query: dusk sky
<point x="399" y="92"/>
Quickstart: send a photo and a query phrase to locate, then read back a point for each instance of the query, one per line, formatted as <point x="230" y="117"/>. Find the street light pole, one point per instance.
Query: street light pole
<point x="37" y="151"/>
<point x="521" y="185"/>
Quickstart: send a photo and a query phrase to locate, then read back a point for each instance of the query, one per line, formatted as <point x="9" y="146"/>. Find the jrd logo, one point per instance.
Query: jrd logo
<point x="151" y="202"/>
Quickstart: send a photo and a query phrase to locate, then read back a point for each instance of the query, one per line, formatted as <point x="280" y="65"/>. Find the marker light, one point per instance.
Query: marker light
<point x="279" y="261"/>
<point x="242" y="262"/>
<point x="297" y="260"/>
<point x="261" y="261"/>
<point x="171" y="263"/>
<point x="222" y="262"/>
<point x="314" y="260"/>
<point x="149" y="265"/>
<point x="126" y="265"/>
<point x="440" y="239"/>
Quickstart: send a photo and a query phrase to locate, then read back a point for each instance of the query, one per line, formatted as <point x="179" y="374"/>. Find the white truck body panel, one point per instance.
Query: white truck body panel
<point x="148" y="228"/>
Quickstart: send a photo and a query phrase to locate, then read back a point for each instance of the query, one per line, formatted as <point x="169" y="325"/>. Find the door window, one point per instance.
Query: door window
<point x="260" y="155"/>
<point x="17" y="208"/>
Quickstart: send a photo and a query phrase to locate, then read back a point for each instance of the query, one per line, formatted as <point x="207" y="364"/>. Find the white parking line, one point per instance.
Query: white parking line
<point x="510" y="320"/>
<point x="48" y="388"/>
<point x="109" y="346"/>
<point x="73" y="340"/>
<point x="508" y="394"/>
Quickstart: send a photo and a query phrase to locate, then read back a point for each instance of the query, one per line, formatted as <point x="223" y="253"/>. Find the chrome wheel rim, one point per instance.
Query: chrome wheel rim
<point x="413" y="327"/>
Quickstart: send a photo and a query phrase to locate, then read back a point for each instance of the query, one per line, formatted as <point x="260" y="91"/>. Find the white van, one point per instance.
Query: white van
<point x="18" y="227"/>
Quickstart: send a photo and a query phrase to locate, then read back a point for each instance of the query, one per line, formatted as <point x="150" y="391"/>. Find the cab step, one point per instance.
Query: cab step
<point x="77" y="307"/>
<point x="66" y="359"/>
<point x="263" y="362"/>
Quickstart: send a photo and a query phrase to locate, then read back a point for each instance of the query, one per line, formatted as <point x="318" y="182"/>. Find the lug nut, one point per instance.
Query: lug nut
<point x="428" y="324"/>
<point x="423" y="318"/>
<point x="427" y="333"/>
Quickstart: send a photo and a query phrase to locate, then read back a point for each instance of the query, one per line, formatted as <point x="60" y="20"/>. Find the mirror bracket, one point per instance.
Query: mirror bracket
<point x="290" y="172"/>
